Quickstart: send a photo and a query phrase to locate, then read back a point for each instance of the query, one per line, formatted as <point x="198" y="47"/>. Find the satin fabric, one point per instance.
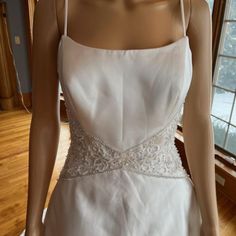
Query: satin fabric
<point x="124" y="97"/>
<point x="121" y="203"/>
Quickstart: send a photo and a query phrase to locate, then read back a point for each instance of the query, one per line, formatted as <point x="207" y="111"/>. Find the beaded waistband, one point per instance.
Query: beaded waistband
<point x="155" y="156"/>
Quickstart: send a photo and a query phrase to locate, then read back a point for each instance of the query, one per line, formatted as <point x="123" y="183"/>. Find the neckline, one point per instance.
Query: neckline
<point x="97" y="49"/>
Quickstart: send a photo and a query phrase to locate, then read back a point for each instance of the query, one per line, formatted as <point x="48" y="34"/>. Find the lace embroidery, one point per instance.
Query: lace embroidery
<point x="156" y="156"/>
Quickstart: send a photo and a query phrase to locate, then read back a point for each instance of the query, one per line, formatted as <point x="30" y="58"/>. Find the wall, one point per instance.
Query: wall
<point x="17" y="27"/>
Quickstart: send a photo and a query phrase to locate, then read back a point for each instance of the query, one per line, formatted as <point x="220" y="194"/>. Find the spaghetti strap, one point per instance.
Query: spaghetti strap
<point x="65" y="17"/>
<point x="183" y="16"/>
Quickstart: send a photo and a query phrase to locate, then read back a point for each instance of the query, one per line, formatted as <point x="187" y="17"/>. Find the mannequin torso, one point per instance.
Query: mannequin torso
<point x="121" y="25"/>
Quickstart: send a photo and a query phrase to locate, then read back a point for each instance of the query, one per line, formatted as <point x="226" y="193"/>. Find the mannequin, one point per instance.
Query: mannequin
<point x="113" y="25"/>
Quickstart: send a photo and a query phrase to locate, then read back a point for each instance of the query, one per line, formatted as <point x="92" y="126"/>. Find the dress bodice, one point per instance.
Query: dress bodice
<point x="124" y="97"/>
<point x="122" y="103"/>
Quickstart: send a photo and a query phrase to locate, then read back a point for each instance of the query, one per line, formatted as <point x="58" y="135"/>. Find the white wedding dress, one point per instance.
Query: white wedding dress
<point x="123" y="175"/>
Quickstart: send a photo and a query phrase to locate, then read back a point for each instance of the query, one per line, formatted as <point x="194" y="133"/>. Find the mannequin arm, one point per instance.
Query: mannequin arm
<point x="197" y="126"/>
<point x="45" y="123"/>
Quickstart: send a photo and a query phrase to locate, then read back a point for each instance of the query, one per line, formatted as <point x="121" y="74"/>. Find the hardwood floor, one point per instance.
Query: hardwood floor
<point x="14" y="137"/>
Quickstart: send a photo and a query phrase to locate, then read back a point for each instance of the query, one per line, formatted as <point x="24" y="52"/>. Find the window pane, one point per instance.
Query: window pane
<point x="211" y="3"/>
<point x="220" y="128"/>
<point x="222" y="104"/>
<point x="226" y="77"/>
<point x="229" y="47"/>
<point x="232" y="12"/>
<point x="231" y="141"/>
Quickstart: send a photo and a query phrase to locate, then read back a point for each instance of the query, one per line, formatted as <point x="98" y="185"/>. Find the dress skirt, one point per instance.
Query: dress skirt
<point x="123" y="203"/>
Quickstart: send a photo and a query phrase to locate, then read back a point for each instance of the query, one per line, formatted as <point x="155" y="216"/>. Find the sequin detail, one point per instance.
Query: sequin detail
<point x="155" y="156"/>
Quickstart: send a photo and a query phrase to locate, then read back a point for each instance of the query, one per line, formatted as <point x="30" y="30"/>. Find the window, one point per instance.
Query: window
<point x="224" y="83"/>
<point x="211" y="3"/>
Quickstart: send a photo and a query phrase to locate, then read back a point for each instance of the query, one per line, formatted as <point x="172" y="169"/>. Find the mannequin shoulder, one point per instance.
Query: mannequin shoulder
<point x="44" y="5"/>
<point x="200" y="23"/>
<point x="200" y="9"/>
<point x="46" y="20"/>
